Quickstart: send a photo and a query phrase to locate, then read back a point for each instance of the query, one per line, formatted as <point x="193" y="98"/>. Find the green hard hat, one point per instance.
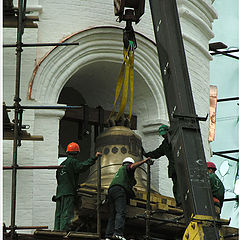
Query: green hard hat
<point x="163" y="129"/>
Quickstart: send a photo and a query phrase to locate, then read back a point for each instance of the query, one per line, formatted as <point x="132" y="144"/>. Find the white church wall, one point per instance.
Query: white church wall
<point x="25" y="152"/>
<point x="24" y="178"/>
<point x="9" y="64"/>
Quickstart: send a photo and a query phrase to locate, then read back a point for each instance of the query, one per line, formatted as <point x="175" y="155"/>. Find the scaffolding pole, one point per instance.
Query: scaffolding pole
<point x="16" y="116"/>
<point x="46" y="107"/>
<point x="27" y="227"/>
<point x="228" y="99"/>
<point x="99" y="197"/>
<point x="40" y="44"/>
<point x="222" y="154"/>
<point x="99" y="174"/>
<point x="148" y="207"/>
<point x="31" y="167"/>
<point x="225" y="53"/>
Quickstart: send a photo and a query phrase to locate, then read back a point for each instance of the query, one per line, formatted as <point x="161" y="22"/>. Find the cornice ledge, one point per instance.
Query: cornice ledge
<point x="185" y="13"/>
<point x="206" y="7"/>
<point x="196" y="44"/>
<point x="50" y="113"/>
<point x="210" y="8"/>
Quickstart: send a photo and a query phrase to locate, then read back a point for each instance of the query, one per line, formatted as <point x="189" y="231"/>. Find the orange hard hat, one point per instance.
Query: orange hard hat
<point x="73" y="147"/>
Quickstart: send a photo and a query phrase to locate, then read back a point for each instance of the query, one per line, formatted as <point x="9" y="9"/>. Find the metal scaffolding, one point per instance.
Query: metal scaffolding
<point x="18" y="110"/>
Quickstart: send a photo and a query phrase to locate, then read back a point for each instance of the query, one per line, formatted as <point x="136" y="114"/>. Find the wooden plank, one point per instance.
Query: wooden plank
<point x="62" y="235"/>
<point x="50" y="233"/>
<point x="9" y="135"/>
<point x="157" y="201"/>
<point x="85" y="235"/>
<point x="156" y="197"/>
<point x="177" y="211"/>
<point x="163" y="207"/>
<point x="142" y="204"/>
<point x="12" y="22"/>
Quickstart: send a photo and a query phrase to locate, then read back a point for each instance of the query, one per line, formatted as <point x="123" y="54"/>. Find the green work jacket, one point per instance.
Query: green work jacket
<point x="217" y="187"/>
<point x="125" y="178"/>
<point x="165" y="149"/>
<point x="67" y="176"/>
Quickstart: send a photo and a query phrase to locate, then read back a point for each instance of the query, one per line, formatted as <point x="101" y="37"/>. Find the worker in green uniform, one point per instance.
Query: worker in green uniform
<point x="67" y="181"/>
<point x="217" y="187"/>
<point x="165" y="149"/>
<point x="119" y="193"/>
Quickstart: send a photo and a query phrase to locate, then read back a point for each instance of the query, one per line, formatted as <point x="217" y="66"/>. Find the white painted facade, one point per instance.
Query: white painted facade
<point x="92" y="68"/>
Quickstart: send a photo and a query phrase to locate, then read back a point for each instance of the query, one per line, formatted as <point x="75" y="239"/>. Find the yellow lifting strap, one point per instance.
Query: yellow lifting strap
<point x="128" y="62"/>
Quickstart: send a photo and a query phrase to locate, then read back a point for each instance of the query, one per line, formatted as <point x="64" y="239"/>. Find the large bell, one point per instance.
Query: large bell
<point x="117" y="143"/>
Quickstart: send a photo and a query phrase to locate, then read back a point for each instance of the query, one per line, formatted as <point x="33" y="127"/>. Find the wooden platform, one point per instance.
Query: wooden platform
<point x="167" y="221"/>
<point x="158" y="202"/>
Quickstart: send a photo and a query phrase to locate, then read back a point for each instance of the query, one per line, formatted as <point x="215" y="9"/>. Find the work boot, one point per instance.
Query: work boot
<point x="118" y="237"/>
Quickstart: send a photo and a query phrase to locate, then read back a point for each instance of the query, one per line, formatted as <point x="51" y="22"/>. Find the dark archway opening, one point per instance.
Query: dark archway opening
<point x="73" y="130"/>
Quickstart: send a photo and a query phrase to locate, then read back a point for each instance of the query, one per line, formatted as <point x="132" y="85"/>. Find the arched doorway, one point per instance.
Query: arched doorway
<point x="98" y="58"/>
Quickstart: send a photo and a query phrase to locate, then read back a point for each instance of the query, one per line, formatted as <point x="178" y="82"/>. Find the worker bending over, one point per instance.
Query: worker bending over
<point x="67" y="182"/>
<point x="119" y="193"/>
<point x="217" y="187"/>
<point x="166" y="149"/>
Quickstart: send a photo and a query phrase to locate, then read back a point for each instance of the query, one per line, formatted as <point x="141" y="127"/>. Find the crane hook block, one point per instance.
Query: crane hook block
<point x="129" y="10"/>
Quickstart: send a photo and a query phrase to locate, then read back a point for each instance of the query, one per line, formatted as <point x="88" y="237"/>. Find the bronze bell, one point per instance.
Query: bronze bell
<point x="117" y="143"/>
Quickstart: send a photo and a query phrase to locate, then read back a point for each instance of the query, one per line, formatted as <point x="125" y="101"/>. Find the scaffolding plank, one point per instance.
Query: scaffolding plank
<point x="12" y="22"/>
<point x="9" y="135"/>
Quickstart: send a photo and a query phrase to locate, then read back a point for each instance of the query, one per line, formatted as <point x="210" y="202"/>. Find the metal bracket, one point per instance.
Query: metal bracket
<point x="204" y="218"/>
<point x="85" y="120"/>
<point x="174" y="115"/>
<point x="166" y="69"/>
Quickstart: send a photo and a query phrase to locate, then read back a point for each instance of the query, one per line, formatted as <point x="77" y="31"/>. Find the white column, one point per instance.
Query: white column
<point x="45" y="154"/>
<point x="196" y="19"/>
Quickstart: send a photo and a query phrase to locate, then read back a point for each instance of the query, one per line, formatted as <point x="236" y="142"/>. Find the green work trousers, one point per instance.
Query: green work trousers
<point x="64" y="213"/>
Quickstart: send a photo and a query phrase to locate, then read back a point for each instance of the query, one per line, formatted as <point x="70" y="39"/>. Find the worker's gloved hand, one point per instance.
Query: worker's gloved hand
<point x="150" y="162"/>
<point x="98" y="154"/>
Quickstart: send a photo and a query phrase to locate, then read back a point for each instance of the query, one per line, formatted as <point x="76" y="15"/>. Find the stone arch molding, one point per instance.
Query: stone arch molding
<point x="96" y="44"/>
